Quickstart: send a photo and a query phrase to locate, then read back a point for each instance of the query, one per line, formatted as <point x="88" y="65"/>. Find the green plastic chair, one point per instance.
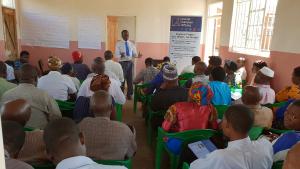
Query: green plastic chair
<point x="275" y="105"/>
<point x="66" y="108"/>
<point x="279" y="132"/>
<point x="119" y="111"/>
<point x="221" y="110"/>
<point x="138" y="96"/>
<point x="277" y="165"/>
<point x="126" y="163"/>
<point x="150" y="116"/>
<point x="186" y="136"/>
<point x="28" y="129"/>
<point x="182" y="83"/>
<point x="185" y="166"/>
<point x="186" y="76"/>
<point x="255" y="132"/>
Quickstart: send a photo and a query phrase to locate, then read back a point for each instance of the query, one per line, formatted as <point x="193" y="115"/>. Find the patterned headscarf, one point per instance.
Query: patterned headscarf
<point x="201" y="94"/>
<point x="54" y="63"/>
<point x="100" y="82"/>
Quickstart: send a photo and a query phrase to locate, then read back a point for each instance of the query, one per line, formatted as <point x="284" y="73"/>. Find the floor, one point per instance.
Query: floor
<point x="144" y="158"/>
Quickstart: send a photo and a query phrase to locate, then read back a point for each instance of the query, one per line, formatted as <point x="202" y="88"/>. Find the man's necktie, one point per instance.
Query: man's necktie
<point x="127" y="49"/>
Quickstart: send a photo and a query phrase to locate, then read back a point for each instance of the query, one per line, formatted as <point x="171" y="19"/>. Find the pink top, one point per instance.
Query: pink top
<point x="268" y="94"/>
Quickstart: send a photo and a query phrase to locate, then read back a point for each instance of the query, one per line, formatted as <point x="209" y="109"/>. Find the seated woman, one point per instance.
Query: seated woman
<point x="198" y="113"/>
<point x="230" y="68"/>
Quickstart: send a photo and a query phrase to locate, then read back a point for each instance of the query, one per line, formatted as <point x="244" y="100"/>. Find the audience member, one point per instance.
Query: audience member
<point x="33" y="150"/>
<point x="4" y="84"/>
<point x="241" y="73"/>
<point x="106" y="139"/>
<point x="81" y="70"/>
<point x="113" y="66"/>
<point x="262" y="81"/>
<point x="115" y="91"/>
<point x="166" y="60"/>
<point x="44" y="108"/>
<point x="292" y="161"/>
<point x="263" y="116"/>
<point x="13" y="140"/>
<point x="68" y="72"/>
<point x="169" y="91"/>
<point x="55" y="84"/>
<point x="198" y="113"/>
<point x="241" y="151"/>
<point x="199" y="70"/>
<point x="190" y="68"/>
<point x="66" y="147"/>
<point x="291" y="92"/>
<point x="230" y="68"/>
<point x="257" y="65"/>
<point x="292" y="116"/>
<point x="214" y="61"/>
<point x="10" y="73"/>
<point x="147" y="74"/>
<point x="222" y="93"/>
<point x="24" y="59"/>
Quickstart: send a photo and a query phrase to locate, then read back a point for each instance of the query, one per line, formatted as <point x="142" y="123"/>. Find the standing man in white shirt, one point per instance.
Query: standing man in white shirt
<point x="126" y="52"/>
<point x="241" y="153"/>
<point x="113" y="66"/>
<point x="65" y="146"/>
<point x="55" y="84"/>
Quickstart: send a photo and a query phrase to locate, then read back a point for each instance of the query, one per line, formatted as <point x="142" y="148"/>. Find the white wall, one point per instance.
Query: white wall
<point x="152" y="16"/>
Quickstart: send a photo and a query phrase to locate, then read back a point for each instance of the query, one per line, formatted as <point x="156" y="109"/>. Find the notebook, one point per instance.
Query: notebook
<point x="202" y="148"/>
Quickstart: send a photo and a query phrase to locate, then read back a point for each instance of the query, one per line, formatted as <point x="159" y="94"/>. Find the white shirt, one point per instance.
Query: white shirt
<point x="10" y="73"/>
<point x="188" y="69"/>
<point x="57" y="85"/>
<point x="114" y="90"/>
<point x="120" y="48"/>
<point x="75" y="81"/>
<point x="267" y="93"/>
<point x="82" y="162"/>
<point x="116" y="68"/>
<point x="240" y="154"/>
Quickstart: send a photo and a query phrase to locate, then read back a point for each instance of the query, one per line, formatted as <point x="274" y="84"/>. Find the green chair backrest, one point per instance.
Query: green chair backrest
<point x="275" y="105"/>
<point x="277" y="165"/>
<point x="28" y="129"/>
<point x="182" y="83"/>
<point x="221" y="110"/>
<point x="186" y="76"/>
<point x="277" y="131"/>
<point x="126" y="163"/>
<point x="255" y="132"/>
<point x="185" y="166"/>
<point x="119" y="111"/>
<point x="65" y="105"/>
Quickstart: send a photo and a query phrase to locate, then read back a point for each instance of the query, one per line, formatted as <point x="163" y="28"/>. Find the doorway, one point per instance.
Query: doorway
<point x="10" y="33"/>
<point x="213" y="33"/>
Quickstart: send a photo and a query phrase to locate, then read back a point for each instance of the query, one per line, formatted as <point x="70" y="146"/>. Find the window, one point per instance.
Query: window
<point x="9" y="3"/>
<point x="252" y="26"/>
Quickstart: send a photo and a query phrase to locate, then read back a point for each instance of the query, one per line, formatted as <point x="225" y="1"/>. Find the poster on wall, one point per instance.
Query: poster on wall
<point x="185" y="34"/>
<point x="89" y="33"/>
<point x="45" y="30"/>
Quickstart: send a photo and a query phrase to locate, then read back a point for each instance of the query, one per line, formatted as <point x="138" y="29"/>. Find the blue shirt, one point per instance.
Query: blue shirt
<point x="156" y="83"/>
<point x="222" y="93"/>
<point x="283" y="144"/>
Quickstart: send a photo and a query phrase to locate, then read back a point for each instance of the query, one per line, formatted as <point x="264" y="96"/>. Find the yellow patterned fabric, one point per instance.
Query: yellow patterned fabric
<point x="291" y="92"/>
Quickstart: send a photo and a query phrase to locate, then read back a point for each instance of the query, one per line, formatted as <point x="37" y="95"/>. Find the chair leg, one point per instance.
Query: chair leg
<point x="135" y="100"/>
<point x="159" y="151"/>
<point x="149" y="130"/>
<point x="174" y="161"/>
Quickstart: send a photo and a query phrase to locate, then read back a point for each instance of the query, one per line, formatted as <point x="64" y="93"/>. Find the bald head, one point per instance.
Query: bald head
<point x="28" y="74"/>
<point x="292" y="159"/>
<point x="251" y="95"/>
<point x="3" y="70"/>
<point x="200" y="68"/>
<point x="17" y="110"/>
<point x="103" y="109"/>
<point x="98" y="66"/>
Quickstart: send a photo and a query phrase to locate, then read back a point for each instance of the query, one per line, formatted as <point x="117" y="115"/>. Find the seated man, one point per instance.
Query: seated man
<point x="65" y="146"/>
<point x="241" y="151"/>
<point x="257" y="65"/>
<point x="292" y="116"/>
<point x="262" y="81"/>
<point x="292" y="160"/>
<point x="147" y="74"/>
<point x="214" y="61"/>
<point x="113" y="66"/>
<point x="230" y="68"/>
<point x="81" y="70"/>
<point x="198" y="113"/>
<point x="222" y="93"/>
<point x="263" y="116"/>
<point x="44" y="107"/>
<point x="241" y="73"/>
<point x="115" y="91"/>
<point x="190" y="68"/>
<point x="115" y="140"/>
<point x="13" y="140"/>
<point x="4" y="84"/>
<point x="199" y="70"/>
<point x="169" y="92"/>
<point x="68" y="72"/>
<point x="33" y="149"/>
<point x="291" y="92"/>
<point x="55" y="84"/>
